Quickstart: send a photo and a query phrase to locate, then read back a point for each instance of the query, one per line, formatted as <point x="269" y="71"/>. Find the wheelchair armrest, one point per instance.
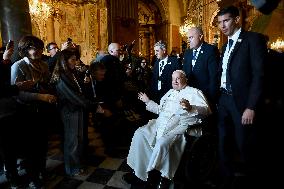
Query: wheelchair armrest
<point x="197" y="129"/>
<point x="194" y="130"/>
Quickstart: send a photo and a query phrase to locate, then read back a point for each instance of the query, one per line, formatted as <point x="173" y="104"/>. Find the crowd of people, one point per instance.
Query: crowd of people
<point x="44" y="94"/>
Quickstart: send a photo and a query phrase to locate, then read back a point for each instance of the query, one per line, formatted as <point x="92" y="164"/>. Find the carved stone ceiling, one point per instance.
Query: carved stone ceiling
<point x="72" y="1"/>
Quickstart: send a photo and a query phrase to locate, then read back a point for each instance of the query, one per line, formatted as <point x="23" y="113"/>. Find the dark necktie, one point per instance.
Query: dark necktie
<point x="231" y="41"/>
<point x="228" y="84"/>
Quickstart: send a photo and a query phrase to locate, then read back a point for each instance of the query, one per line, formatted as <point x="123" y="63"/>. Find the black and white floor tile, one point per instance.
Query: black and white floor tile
<point x="103" y="172"/>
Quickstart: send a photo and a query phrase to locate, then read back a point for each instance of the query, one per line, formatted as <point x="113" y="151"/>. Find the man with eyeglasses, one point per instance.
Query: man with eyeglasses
<point x="52" y="49"/>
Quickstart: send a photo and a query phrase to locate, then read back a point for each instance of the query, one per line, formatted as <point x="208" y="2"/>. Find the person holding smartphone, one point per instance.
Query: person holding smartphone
<point x="32" y="107"/>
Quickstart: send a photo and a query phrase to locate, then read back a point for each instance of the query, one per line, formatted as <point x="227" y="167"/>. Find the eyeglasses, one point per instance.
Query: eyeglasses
<point x="34" y="48"/>
<point x="53" y="48"/>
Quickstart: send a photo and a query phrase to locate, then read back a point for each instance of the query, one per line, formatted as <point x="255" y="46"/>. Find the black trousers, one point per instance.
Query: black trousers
<point x="237" y="142"/>
<point x="33" y="123"/>
<point x="9" y="141"/>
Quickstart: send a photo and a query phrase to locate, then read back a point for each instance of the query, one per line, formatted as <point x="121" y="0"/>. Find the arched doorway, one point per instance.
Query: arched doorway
<point x="149" y="17"/>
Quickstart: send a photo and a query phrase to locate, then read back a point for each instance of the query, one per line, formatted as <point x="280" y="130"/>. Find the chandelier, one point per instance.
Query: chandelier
<point x="183" y="29"/>
<point x="278" y="44"/>
<point x="39" y="9"/>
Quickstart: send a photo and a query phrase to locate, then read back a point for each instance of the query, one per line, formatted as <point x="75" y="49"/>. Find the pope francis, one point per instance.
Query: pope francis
<point x="160" y="143"/>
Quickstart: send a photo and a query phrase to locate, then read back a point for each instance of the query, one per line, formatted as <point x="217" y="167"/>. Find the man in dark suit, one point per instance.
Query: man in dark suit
<point x="162" y="71"/>
<point x="112" y="88"/>
<point x="51" y="60"/>
<point x="201" y="65"/>
<point x="241" y="89"/>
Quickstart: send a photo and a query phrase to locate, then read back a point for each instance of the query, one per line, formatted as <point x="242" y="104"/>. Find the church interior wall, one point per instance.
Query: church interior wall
<point x="90" y="26"/>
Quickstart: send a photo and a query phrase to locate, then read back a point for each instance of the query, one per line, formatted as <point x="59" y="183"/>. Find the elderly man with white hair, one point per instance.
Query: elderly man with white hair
<point x="158" y="146"/>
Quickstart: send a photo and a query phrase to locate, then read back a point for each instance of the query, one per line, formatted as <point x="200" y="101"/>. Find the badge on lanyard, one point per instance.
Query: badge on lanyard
<point x="159" y="85"/>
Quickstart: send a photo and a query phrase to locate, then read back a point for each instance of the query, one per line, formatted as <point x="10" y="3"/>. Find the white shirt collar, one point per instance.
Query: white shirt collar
<point x="198" y="49"/>
<point x="165" y="60"/>
<point x="27" y="60"/>
<point x="236" y="35"/>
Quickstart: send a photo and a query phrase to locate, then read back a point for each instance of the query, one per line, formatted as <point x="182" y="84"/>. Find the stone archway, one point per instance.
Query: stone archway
<point x="163" y="8"/>
<point x="214" y="33"/>
<point x="149" y="18"/>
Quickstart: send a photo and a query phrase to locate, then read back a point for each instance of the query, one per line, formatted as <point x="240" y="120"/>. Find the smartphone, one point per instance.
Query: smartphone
<point x="10" y="45"/>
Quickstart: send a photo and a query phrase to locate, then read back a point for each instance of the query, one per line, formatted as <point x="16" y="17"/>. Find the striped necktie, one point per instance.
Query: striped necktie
<point x="161" y="66"/>
<point x="194" y="53"/>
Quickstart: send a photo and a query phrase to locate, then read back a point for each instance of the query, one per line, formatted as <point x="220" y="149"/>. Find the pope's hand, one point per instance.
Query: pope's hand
<point x="143" y="97"/>
<point x="185" y="104"/>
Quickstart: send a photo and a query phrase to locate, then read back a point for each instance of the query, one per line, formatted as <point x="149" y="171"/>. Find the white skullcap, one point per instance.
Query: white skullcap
<point x="181" y="71"/>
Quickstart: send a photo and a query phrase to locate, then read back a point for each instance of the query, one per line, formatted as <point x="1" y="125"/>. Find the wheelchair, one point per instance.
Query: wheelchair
<point x="199" y="159"/>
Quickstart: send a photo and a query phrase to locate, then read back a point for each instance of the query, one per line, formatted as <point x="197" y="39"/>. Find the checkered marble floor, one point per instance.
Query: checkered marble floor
<point x="103" y="172"/>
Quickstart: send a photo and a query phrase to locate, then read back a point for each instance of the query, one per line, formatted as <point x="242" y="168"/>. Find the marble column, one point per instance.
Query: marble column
<point x="15" y="22"/>
<point x="152" y="42"/>
<point x="50" y="31"/>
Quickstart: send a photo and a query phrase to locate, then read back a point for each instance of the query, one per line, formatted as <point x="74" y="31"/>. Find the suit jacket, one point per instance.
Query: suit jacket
<point x="166" y="78"/>
<point x="7" y="103"/>
<point x="246" y="69"/>
<point x="204" y="75"/>
<point x="115" y="77"/>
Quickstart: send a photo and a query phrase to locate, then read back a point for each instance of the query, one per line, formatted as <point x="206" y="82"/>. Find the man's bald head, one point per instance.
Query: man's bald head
<point x="195" y="37"/>
<point x="113" y="49"/>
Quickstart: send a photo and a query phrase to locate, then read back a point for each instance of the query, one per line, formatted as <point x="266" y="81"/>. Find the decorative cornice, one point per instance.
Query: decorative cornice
<point x="73" y="2"/>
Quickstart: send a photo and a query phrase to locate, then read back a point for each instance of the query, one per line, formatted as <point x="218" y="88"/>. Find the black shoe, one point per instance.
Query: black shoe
<point x="36" y="184"/>
<point x="15" y="183"/>
<point x="130" y="178"/>
<point x="227" y="183"/>
<point x="149" y="185"/>
<point x="14" y="180"/>
<point x="153" y="179"/>
<point x="164" y="183"/>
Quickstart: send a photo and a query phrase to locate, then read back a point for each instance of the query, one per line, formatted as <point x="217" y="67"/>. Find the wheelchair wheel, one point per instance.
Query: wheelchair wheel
<point x="202" y="159"/>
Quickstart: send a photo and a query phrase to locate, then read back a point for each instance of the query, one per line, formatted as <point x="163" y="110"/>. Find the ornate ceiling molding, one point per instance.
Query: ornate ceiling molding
<point x="164" y="8"/>
<point x="73" y="2"/>
<point x="145" y="14"/>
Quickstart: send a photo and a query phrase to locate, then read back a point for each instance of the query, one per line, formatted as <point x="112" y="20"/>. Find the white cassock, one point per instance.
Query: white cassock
<point x="160" y="144"/>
